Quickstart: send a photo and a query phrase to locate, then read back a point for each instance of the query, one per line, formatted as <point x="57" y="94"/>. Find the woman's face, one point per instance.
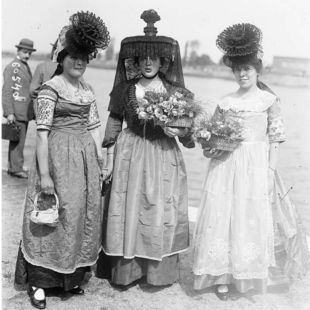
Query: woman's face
<point x="74" y="67"/>
<point x="246" y="76"/>
<point x="149" y="66"/>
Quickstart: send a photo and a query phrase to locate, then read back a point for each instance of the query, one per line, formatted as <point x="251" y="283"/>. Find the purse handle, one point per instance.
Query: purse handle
<point x="36" y="200"/>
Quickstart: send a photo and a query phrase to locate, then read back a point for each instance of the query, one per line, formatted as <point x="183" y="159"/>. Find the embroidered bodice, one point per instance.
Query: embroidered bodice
<point x="260" y="114"/>
<point x="62" y="108"/>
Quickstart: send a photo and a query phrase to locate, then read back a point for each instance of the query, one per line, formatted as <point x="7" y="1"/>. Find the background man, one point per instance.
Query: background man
<point x="44" y="72"/>
<point x="17" y="103"/>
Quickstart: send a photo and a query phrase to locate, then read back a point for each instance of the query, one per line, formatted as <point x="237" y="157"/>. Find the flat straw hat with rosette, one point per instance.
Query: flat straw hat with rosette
<point x="241" y="44"/>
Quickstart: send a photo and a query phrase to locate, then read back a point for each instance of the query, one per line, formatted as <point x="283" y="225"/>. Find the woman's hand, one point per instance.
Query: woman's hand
<point x="270" y="180"/>
<point x="205" y="134"/>
<point x="47" y="185"/>
<point x="174" y="131"/>
<point x="211" y="152"/>
<point x="106" y="172"/>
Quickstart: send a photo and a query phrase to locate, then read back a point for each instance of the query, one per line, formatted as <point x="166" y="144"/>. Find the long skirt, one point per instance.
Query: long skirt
<point x="145" y="222"/>
<point x="26" y="273"/>
<point x="75" y="242"/>
<point x="242" y="236"/>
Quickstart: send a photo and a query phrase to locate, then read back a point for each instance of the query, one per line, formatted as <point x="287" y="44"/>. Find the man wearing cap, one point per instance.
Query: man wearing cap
<point x="17" y="103"/>
<point x="44" y="72"/>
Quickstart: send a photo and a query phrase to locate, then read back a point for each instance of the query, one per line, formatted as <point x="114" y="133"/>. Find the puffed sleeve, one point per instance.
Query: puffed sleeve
<point x="275" y="129"/>
<point x="113" y="129"/>
<point x="93" y="117"/>
<point x="47" y="99"/>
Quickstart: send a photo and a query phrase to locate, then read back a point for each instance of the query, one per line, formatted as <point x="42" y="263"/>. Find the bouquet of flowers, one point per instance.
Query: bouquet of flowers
<point x="220" y="131"/>
<point x="168" y="109"/>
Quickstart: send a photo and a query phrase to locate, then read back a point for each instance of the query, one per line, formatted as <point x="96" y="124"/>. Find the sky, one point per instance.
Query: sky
<point x="285" y="23"/>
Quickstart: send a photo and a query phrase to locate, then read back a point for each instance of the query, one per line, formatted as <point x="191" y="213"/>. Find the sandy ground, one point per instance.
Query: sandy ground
<point x="100" y="294"/>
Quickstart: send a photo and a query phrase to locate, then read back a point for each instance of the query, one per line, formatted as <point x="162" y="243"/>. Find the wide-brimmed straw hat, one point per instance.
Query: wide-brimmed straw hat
<point x="26" y="44"/>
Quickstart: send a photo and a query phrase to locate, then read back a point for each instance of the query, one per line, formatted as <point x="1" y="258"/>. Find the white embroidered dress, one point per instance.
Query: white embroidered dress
<point x="234" y="234"/>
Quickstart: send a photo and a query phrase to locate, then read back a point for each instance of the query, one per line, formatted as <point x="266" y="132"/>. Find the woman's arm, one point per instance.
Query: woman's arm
<point x="96" y="136"/>
<point x="276" y="136"/>
<point x="273" y="159"/>
<point x="113" y="129"/>
<point x="107" y="170"/>
<point x="47" y="184"/>
<point x="273" y="155"/>
<point x="47" y="98"/>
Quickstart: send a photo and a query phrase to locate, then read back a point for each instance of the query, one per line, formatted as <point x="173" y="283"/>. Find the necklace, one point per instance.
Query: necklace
<point x="156" y="79"/>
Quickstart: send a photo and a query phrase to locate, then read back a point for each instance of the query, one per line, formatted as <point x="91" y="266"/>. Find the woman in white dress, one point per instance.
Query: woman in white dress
<point x="247" y="228"/>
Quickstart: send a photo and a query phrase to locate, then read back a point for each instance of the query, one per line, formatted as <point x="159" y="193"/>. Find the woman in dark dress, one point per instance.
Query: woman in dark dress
<point x="146" y="212"/>
<point x="68" y="162"/>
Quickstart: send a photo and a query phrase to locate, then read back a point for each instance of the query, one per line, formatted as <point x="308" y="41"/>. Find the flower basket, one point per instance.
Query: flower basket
<point x="184" y="122"/>
<point x="220" y="143"/>
<point x="171" y="109"/>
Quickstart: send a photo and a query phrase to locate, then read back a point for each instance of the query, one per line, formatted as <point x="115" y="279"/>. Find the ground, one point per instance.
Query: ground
<point x="101" y="295"/>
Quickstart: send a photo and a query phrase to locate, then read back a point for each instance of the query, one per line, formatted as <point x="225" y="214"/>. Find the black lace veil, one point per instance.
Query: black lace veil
<point x="149" y="45"/>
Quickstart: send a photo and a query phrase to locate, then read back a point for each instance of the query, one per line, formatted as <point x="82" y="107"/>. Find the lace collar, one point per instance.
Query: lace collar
<point x="256" y="103"/>
<point x="83" y="95"/>
<point x="141" y="90"/>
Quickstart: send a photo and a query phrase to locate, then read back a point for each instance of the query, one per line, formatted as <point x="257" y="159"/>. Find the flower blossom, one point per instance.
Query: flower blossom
<point x="143" y="115"/>
<point x="163" y="118"/>
<point x="158" y="112"/>
<point x="174" y="112"/>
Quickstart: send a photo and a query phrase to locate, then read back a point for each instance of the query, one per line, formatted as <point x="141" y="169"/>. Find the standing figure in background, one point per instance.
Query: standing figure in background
<point x="68" y="163"/>
<point x="44" y="72"/>
<point x="17" y="104"/>
<point x="248" y="231"/>
<point x="146" y="212"/>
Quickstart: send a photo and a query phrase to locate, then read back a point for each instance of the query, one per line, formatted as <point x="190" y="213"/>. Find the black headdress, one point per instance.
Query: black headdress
<point x="149" y="45"/>
<point x="241" y="44"/>
<point x="85" y="35"/>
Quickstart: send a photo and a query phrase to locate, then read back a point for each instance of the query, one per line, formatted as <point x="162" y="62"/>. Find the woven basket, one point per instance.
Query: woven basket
<point x="219" y="143"/>
<point x="184" y="122"/>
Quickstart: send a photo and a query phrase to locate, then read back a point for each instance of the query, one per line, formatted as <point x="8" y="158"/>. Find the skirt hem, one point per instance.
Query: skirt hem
<point x="143" y="256"/>
<point x="59" y="270"/>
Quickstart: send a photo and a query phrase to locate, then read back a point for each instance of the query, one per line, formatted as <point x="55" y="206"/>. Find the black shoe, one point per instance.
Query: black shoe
<point x="222" y="296"/>
<point x="21" y="174"/>
<point x="77" y="291"/>
<point x="39" y="304"/>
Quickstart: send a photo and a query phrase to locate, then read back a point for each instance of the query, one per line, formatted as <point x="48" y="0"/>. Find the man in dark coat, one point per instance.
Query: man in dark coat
<point x="42" y="74"/>
<point x="17" y="103"/>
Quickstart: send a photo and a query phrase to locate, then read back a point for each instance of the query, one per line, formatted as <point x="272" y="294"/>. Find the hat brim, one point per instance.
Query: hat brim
<point x="25" y="47"/>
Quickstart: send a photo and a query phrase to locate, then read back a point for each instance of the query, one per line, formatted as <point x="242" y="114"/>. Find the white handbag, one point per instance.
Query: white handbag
<point x="45" y="217"/>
